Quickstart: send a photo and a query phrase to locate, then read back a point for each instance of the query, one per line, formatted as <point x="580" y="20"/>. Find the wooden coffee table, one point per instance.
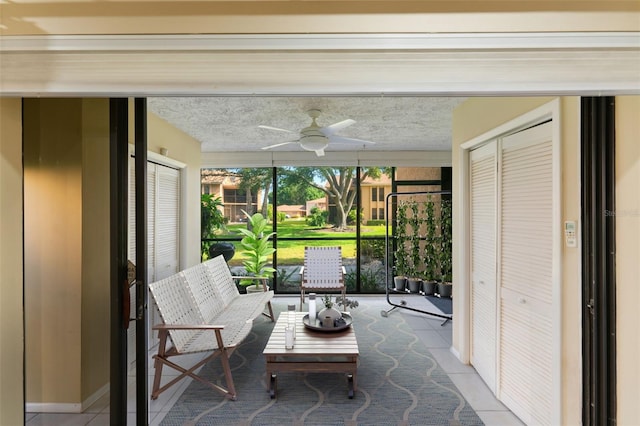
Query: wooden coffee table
<point x="313" y="351"/>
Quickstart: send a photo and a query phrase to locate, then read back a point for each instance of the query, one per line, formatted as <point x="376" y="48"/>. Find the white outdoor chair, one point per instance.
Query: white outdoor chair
<point x="322" y="271"/>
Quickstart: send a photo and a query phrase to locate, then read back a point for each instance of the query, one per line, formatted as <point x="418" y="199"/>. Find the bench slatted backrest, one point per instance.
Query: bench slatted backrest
<point x="177" y="306"/>
<point x="205" y="291"/>
<point x="221" y="275"/>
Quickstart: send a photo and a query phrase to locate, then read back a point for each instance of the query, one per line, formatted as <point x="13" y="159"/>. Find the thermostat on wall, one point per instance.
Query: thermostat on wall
<point x="570" y="234"/>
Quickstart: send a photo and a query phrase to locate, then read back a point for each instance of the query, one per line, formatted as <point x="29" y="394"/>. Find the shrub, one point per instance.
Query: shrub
<point x="317" y="218"/>
<point x="372" y="248"/>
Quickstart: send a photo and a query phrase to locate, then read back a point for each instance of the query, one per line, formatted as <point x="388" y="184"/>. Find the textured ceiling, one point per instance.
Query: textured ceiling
<point x="230" y="124"/>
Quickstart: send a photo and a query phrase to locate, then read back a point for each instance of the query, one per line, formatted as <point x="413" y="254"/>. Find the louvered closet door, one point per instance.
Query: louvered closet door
<point x="526" y="255"/>
<point x="483" y="262"/>
<point x="164" y="190"/>
<point x="167" y="221"/>
<point x="163" y="193"/>
<point x="152" y="206"/>
<point x="131" y="254"/>
<point x="151" y="238"/>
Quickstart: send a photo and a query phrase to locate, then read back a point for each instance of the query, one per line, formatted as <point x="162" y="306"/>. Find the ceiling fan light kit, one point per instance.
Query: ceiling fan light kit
<point x="315" y="141"/>
<point x="315" y="138"/>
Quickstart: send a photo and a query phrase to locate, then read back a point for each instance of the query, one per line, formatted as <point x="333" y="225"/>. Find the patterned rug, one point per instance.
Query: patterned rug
<point x="399" y="383"/>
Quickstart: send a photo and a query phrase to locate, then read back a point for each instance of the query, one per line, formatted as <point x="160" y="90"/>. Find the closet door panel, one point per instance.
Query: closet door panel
<point x="163" y="198"/>
<point x="167" y="222"/>
<point x="483" y="262"/>
<point x="152" y="190"/>
<point x="525" y="274"/>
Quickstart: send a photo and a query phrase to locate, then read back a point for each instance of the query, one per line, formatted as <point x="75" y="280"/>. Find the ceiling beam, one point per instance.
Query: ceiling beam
<point x="376" y="64"/>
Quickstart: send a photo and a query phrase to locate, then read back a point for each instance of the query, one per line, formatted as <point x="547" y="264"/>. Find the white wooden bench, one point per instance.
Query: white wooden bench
<point x="202" y="311"/>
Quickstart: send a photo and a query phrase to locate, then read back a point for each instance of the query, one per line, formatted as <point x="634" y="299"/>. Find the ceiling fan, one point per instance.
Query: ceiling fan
<point x="316" y="138"/>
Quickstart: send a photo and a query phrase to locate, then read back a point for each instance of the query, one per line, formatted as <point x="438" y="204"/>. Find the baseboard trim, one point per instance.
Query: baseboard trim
<point x="53" y="407"/>
<point x="455" y="353"/>
<point x="57" y="407"/>
<point x="95" y="396"/>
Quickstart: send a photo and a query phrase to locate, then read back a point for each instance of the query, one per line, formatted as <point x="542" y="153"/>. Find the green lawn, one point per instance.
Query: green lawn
<point x="297" y="228"/>
<point x="292" y="252"/>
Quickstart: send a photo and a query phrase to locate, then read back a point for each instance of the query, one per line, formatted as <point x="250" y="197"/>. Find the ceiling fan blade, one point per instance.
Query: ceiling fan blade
<point x="348" y="140"/>
<point x="330" y="130"/>
<point x="320" y="152"/>
<point x="278" y="144"/>
<point x="277" y="129"/>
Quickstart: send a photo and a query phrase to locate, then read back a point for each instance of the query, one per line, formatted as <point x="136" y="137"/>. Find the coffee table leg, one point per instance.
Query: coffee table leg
<point x="350" y="383"/>
<point x="273" y="382"/>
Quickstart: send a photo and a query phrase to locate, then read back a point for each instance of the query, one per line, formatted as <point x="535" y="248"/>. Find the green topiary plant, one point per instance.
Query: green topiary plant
<point x="401" y="258"/>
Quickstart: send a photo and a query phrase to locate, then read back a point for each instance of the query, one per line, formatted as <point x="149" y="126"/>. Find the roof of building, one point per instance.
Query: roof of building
<point x="209" y="176"/>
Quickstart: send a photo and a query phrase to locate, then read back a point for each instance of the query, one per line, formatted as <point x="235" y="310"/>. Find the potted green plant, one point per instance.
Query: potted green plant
<point x="414" y="281"/>
<point x="400" y="255"/>
<point x="257" y="250"/>
<point x="432" y="241"/>
<point x="445" y="250"/>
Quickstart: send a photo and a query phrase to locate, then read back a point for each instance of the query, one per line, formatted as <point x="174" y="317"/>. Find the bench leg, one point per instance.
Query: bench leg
<point x="226" y="367"/>
<point x="158" y="364"/>
<point x="273" y="318"/>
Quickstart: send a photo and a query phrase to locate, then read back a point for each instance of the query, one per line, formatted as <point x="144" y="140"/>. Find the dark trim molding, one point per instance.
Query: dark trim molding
<point x="598" y="260"/>
<point x="118" y="154"/>
<point x="142" y="279"/>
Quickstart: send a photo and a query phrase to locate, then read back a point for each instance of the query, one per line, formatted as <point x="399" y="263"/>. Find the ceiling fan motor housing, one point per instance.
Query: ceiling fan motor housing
<point x="312" y="139"/>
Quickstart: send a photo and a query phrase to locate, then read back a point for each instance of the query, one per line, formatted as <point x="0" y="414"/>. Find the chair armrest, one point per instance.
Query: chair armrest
<point x="187" y="327"/>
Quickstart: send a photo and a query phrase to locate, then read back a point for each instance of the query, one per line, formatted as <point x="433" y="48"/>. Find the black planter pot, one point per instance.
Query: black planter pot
<point x="429" y="287"/>
<point x="444" y="289"/>
<point x="414" y="284"/>
<point x="399" y="283"/>
<point x="225" y="249"/>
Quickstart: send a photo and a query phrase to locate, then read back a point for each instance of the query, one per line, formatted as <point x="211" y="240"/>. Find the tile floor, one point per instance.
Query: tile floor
<point x="436" y="337"/>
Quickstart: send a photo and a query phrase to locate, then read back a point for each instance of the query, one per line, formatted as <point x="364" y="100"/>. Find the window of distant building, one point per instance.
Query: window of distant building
<point x="377" y="194"/>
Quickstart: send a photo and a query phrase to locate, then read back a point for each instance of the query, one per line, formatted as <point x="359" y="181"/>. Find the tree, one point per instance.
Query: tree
<point x="294" y="191"/>
<point x="338" y="184"/>
<point x="252" y="181"/>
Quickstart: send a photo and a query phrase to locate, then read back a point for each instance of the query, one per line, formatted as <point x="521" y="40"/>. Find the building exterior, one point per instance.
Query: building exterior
<point x="226" y="185"/>
<point x="295" y="211"/>
<point x="373" y="198"/>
